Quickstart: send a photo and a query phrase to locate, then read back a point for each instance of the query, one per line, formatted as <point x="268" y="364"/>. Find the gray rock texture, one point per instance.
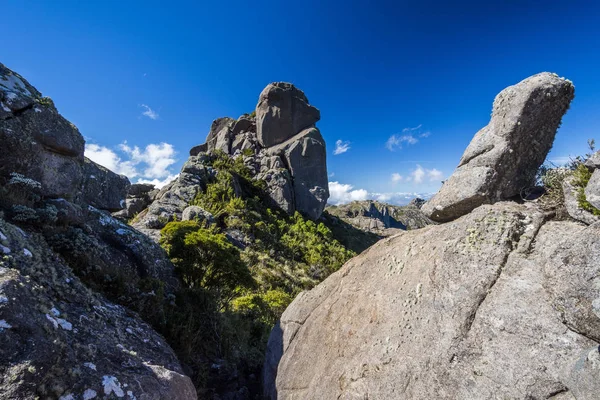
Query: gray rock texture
<point x="592" y="189"/>
<point x="305" y="156"/>
<point x="103" y="188"/>
<point x="282" y="112"/>
<point x="504" y="156"/>
<point x="570" y="193"/>
<point x="58" y="339"/>
<point x="496" y="304"/>
<point x="195" y="213"/>
<point x="59" y="335"/>
<point x="175" y="197"/>
<point x="40" y="144"/>
<point x="139" y="197"/>
<point x="594" y="161"/>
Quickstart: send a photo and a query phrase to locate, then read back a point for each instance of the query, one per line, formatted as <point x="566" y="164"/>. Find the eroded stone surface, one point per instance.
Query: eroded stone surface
<point x="468" y="309"/>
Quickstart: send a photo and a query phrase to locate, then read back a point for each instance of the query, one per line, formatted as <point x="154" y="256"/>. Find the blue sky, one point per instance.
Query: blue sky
<point x="424" y="75"/>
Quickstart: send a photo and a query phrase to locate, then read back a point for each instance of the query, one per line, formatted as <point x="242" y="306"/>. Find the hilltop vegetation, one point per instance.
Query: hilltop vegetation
<point x="232" y="296"/>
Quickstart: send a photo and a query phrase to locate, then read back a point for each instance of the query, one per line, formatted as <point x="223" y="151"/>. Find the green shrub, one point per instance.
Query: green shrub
<point x="204" y="258"/>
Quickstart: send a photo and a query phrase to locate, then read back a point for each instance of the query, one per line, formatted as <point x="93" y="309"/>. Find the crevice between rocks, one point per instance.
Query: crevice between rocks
<point x="513" y="248"/>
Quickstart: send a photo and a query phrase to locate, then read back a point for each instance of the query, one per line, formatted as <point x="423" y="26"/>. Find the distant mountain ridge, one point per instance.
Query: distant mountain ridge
<point x="381" y="218"/>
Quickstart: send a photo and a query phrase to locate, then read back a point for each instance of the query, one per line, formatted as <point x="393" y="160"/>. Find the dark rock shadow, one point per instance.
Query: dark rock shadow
<point x="272" y="357"/>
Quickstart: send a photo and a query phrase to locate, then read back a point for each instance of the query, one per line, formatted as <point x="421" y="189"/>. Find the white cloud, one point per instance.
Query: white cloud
<point x="435" y="175"/>
<point x="331" y="175"/>
<point x="150" y="113"/>
<point x="340" y="193"/>
<point x="157" y="157"/>
<point x="408" y="136"/>
<point x="109" y="159"/>
<point x="150" y="165"/>
<point x="398" y="198"/>
<point x="395" y="141"/>
<point x="420" y="173"/>
<point x="341" y="147"/>
<point x="396" y="177"/>
<point x="159" y="183"/>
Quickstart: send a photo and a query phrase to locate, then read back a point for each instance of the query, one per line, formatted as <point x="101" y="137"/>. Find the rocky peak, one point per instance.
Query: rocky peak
<point x="282" y="112"/>
<point x="280" y="145"/>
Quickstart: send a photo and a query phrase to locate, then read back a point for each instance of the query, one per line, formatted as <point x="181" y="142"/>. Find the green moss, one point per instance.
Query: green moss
<point x="581" y="177"/>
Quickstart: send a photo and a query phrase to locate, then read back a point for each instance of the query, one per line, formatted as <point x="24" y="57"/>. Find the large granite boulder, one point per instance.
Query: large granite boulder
<point x="500" y="303"/>
<point x="103" y="188"/>
<point x="58" y="339"/>
<point x="282" y="111"/>
<point x="504" y="156"/>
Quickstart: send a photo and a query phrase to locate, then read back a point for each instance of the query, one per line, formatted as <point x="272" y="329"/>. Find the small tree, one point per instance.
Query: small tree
<point x="205" y="259"/>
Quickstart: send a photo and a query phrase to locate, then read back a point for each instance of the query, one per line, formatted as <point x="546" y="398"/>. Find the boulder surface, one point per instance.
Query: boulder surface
<point x="496" y="302"/>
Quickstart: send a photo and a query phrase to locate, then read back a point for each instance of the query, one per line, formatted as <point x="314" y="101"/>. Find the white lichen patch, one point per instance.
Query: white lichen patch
<point x="67" y="397"/>
<point x="27" y="253"/>
<point x="112" y="385"/>
<point x="4" y="107"/>
<point x="4" y="325"/>
<point x="55" y="312"/>
<point x="3" y="299"/>
<point x="4" y="249"/>
<point x="89" y="394"/>
<point x="3" y="236"/>
<point x="90" y="365"/>
<point x="37" y="109"/>
<point x="131" y="395"/>
<point x="13" y="83"/>
<point x="66" y="325"/>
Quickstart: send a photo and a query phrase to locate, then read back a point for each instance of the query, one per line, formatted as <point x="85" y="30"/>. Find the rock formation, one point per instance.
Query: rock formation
<point x="61" y="253"/>
<point x="501" y="302"/>
<point x="380" y="218"/>
<point x="139" y="197"/>
<point x="504" y="156"/>
<point x="280" y="145"/>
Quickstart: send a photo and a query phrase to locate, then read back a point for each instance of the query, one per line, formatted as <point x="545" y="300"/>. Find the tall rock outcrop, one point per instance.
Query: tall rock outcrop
<point x="64" y="264"/>
<point x="280" y="145"/>
<point x="504" y="156"/>
<point x="282" y="112"/>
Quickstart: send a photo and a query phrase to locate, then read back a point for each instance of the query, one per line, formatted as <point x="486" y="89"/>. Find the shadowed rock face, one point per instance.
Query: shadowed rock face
<point x="40" y="144"/>
<point x="282" y="112"/>
<point x="466" y="310"/>
<point x="59" y="336"/>
<point x="503" y="157"/>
